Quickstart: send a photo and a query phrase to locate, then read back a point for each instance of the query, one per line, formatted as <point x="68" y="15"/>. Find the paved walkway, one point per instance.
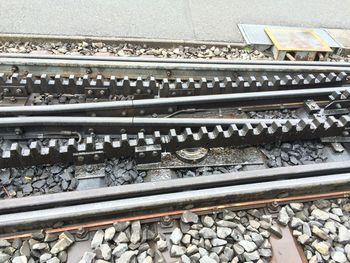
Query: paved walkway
<point x="166" y="19"/>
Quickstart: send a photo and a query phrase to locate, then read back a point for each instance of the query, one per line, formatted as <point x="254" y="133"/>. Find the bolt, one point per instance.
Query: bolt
<point x="149" y="91"/>
<point x="173" y="93"/>
<point x="168" y="73"/>
<point x="170" y="109"/>
<point x="81" y="233"/>
<point x="142" y="155"/>
<point x="123" y="113"/>
<point x="122" y="130"/>
<point x="138" y="91"/>
<point x="89" y="92"/>
<point x="155" y="153"/>
<point x="96" y="157"/>
<point x="88" y="71"/>
<point x="18" y="91"/>
<point x="189" y="93"/>
<point x="166" y="220"/>
<point x="13" y="99"/>
<point x="14" y="68"/>
<point x="338" y="106"/>
<point x="142" y="112"/>
<point x="18" y="131"/>
<point x="102" y="92"/>
<point x="154" y="115"/>
<point x="346" y="133"/>
<point x="6" y="90"/>
<point x="93" y="114"/>
<point x="80" y="159"/>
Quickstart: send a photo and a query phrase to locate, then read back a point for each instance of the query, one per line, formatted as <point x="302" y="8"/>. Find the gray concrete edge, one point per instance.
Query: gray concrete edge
<point x="163" y="43"/>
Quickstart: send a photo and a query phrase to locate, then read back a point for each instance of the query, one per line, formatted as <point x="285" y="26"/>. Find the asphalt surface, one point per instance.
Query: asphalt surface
<point x="166" y="19"/>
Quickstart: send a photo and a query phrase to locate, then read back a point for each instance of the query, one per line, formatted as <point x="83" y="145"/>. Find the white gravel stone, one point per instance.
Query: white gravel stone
<point x="189" y="217"/>
<point x="320" y="214"/>
<point x="223" y="232"/>
<point x="120" y="249"/>
<point x="121" y="238"/>
<point x="4" y="257"/>
<point x="283" y="217"/>
<point x="322" y="248"/>
<point x="162" y="245"/>
<point x="218" y="242"/>
<point x="135" y="232"/>
<point x="339" y="257"/>
<point x="53" y="260"/>
<point x="251" y="256"/>
<point x="186" y="239"/>
<point x="127" y="257"/>
<point x="176" y="236"/>
<point x="225" y="223"/>
<point x="106" y="251"/>
<point x="206" y="232"/>
<point x="296" y="206"/>
<point x="207" y="259"/>
<point x="303" y="238"/>
<point x="44" y="257"/>
<point x="109" y="233"/>
<point x="208" y="221"/>
<point x="248" y="245"/>
<point x="343" y="235"/>
<point x="4" y="243"/>
<point x="20" y="259"/>
<point x="177" y="251"/>
<point x="97" y="239"/>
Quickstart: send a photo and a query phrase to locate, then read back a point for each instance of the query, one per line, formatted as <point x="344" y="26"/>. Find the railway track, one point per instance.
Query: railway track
<point x="179" y="114"/>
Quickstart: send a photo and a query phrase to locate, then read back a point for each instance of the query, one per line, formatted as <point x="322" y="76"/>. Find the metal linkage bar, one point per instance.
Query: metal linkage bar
<point x="99" y="87"/>
<point x="148" y="147"/>
<point x="133" y="108"/>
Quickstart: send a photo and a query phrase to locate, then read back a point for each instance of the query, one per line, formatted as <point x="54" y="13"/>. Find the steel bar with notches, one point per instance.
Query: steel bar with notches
<point x="147" y="147"/>
<point x="102" y="88"/>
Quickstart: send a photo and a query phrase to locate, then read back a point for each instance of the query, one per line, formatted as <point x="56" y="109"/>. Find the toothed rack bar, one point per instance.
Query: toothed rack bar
<point x="15" y="86"/>
<point x="148" y="147"/>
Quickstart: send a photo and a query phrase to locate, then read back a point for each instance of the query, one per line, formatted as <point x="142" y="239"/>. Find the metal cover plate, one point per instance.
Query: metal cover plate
<point x="287" y="39"/>
<point x="256" y="35"/>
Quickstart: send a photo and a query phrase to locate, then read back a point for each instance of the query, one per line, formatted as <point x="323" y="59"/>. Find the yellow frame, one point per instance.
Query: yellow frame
<point x="270" y="32"/>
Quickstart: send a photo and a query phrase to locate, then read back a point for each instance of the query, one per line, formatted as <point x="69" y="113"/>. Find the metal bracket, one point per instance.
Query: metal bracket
<point x="148" y="154"/>
<point x="311" y="107"/>
<point x="97" y="92"/>
<point x="14" y="90"/>
<point x="81" y="158"/>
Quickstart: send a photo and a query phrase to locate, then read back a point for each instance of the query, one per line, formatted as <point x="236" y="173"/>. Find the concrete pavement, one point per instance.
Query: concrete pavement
<point x="196" y="20"/>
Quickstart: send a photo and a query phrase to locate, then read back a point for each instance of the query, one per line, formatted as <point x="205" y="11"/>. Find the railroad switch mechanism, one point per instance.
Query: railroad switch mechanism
<point x="297" y="44"/>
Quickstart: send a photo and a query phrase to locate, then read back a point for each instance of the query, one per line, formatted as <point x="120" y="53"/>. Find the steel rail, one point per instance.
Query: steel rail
<point x="170" y="186"/>
<point x="169" y="105"/>
<point x="174" y="201"/>
<point x="158" y="68"/>
<point x="118" y="125"/>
